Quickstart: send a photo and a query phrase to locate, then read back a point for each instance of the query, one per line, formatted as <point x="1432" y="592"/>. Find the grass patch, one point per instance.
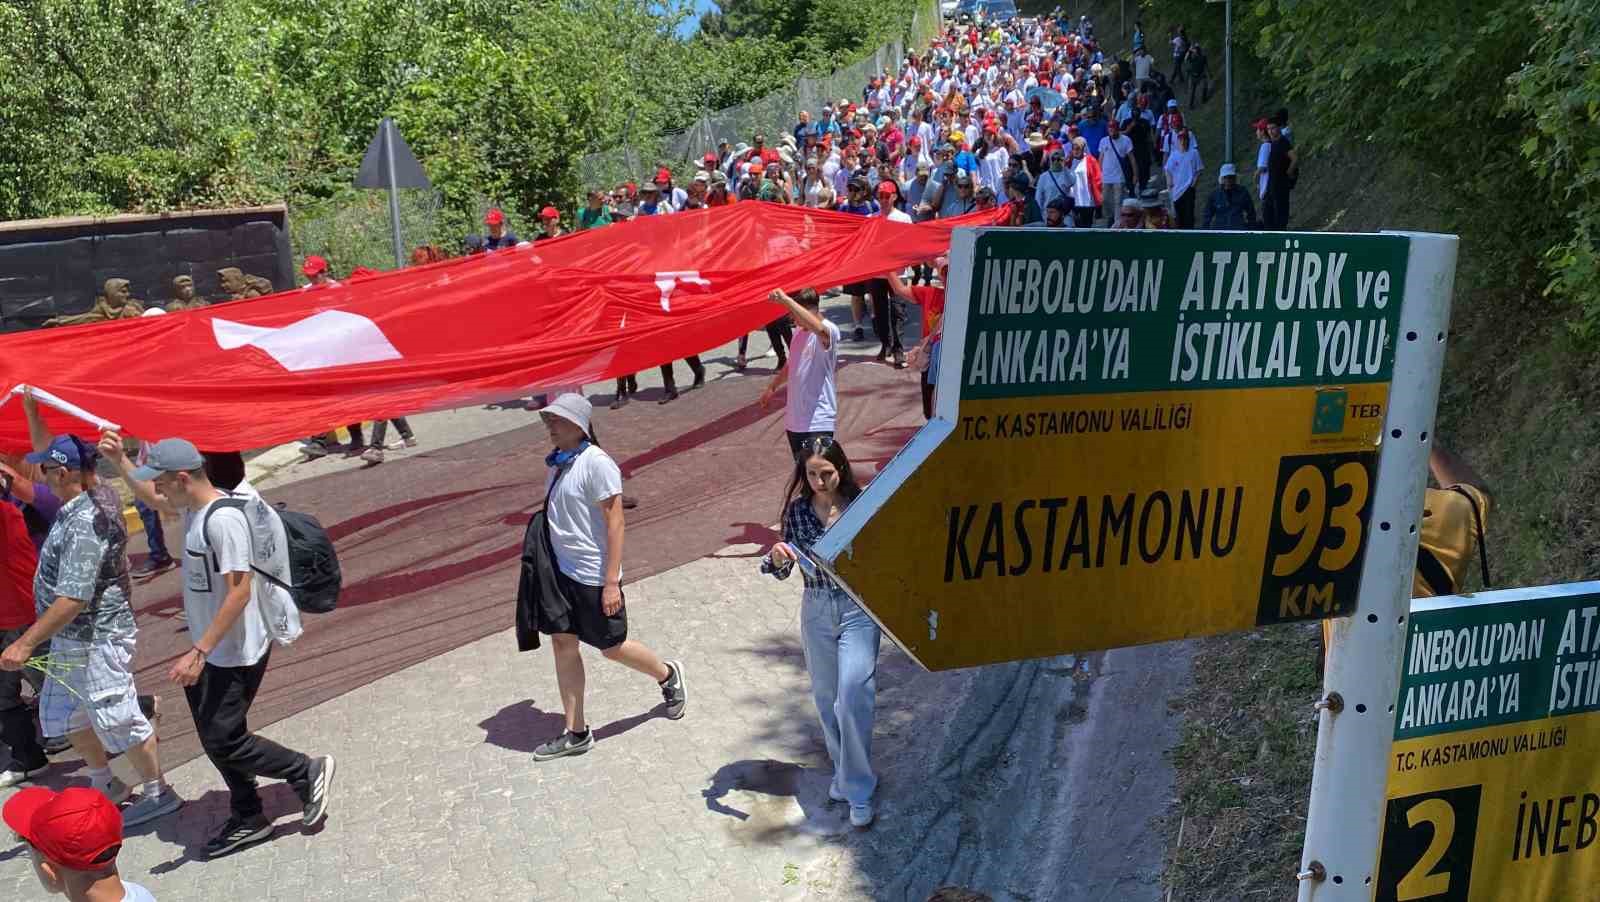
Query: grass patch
<point x="1244" y="765"/>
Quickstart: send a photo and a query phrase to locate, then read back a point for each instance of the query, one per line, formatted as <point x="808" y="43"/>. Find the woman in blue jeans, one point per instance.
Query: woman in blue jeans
<point x="840" y="640"/>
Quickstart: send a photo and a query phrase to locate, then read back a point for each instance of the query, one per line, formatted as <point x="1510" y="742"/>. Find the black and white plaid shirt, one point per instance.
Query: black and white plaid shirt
<point x="801" y="528"/>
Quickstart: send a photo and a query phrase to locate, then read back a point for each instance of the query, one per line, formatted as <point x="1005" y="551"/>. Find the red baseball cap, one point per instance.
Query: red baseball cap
<point x="77" y="828"/>
<point x="494" y="217"/>
<point x="549" y="213"/>
<point x="663" y="175"/>
<point x="314" y="265"/>
<point x="886" y="188"/>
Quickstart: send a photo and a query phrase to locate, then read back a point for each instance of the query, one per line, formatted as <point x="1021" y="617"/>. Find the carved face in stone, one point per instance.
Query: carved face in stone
<point x="183" y="289"/>
<point x="116" y="293"/>
<point x="232" y="280"/>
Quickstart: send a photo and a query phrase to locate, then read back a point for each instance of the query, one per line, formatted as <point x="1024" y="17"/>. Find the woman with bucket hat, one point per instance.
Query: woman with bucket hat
<point x="572" y="575"/>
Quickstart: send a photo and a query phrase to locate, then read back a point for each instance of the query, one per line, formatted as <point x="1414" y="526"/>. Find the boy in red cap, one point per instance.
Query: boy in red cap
<point x="73" y="837"/>
<point x="549" y="224"/>
<point x="499" y="236"/>
<point x="316" y="270"/>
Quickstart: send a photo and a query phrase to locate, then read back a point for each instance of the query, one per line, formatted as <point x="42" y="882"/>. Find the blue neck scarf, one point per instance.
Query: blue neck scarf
<point x="560" y="458"/>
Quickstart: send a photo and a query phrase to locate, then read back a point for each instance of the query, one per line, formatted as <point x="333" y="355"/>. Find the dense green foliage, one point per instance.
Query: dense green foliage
<point x="146" y="105"/>
<point x="1496" y="102"/>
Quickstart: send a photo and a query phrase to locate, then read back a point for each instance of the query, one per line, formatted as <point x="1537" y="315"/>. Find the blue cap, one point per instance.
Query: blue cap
<point x="67" y="451"/>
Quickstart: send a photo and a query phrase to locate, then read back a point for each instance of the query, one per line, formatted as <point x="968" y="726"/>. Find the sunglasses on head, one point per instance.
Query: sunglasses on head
<point x="818" y="444"/>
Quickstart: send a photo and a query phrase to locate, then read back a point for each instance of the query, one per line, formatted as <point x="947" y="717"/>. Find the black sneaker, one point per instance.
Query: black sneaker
<point x="668" y="398"/>
<point x="321" y="779"/>
<point x="674" y="692"/>
<point x="236" y="834"/>
<point x="568" y="743"/>
<point x="861" y="334"/>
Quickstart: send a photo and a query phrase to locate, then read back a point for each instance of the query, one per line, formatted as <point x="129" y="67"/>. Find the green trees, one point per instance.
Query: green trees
<point x="1495" y="102"/>
<point x="146" y="105"/>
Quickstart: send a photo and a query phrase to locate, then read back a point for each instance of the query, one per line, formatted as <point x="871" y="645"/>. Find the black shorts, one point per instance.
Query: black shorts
<point x="585" y="617"/>
<point x="856" y="289"/>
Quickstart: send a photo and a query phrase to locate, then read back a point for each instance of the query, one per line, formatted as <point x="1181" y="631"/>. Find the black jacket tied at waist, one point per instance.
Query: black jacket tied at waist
<point x="539" y="598"/>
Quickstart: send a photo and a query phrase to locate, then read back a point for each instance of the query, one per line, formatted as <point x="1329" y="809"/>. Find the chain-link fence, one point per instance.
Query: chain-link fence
<point x="355" y="230"/>
<point x="772" y="115"/>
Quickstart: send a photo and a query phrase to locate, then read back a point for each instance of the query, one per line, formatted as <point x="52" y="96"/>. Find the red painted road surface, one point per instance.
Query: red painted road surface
<point x="429" y="542"/>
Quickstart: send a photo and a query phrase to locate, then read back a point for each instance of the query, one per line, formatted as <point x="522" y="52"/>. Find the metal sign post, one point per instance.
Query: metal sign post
<point x="1227" y="78"/>
<point x="390" y="164"/>
<point x="1362" y="678"/>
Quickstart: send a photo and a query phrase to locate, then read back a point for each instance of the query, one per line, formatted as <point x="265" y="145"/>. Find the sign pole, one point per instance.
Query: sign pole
<point x="1227" y="76"/>
<point x="1356" y="720"/>
<point x="394" y="193"/>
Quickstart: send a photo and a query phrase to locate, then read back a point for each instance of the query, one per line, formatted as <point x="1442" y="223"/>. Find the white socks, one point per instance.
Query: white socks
<point x="151" y="789"/>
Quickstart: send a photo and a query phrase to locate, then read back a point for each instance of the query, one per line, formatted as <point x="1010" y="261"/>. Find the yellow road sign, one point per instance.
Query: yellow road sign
<point x="1141" y="436"/>
<point x="1492" y="787"/>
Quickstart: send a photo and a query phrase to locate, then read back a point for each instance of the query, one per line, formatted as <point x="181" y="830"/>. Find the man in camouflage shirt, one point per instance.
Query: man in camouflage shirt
<point x="83" y="599"/>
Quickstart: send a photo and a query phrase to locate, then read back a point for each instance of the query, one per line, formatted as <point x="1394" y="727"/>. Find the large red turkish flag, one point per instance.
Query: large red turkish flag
<point x="574" y="310"/>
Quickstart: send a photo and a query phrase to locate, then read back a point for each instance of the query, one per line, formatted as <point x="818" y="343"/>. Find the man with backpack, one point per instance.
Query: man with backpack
<point x="235" y="609"/>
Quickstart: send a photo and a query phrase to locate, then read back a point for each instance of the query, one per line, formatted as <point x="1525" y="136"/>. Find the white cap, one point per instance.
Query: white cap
<point x="572" y="407"/>
<point x="153" y="311"/>
<point x="1227" y="170"/>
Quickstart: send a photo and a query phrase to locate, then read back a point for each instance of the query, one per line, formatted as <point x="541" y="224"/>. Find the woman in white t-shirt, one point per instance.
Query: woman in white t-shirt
<point x="583" y="516"/>
<point x="813" y="399"/>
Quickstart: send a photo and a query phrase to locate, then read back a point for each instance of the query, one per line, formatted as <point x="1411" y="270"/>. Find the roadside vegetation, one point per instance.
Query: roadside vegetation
<point x="1483" y="124"/>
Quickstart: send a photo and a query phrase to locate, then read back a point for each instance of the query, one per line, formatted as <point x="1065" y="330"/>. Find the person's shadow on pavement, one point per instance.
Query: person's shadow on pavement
<point x="769" y="784"/>
<point x="523" y="726"/>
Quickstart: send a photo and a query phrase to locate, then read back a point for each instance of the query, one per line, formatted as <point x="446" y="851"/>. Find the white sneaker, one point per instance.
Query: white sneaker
<point x="862" y="815"/>
<point x="373" y="455"/>
<point x="10" y="778"/>
<point x="834" y="795"/>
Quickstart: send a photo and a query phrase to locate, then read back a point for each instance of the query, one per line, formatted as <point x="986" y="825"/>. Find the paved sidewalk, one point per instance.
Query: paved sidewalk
<point x="437" y="796"/>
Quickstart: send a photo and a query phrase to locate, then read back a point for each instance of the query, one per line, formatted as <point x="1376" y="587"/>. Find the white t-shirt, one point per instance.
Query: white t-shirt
<point x="1141" y="66"/>
<point x="133" y="892"/>
<point x="204" y="562"/>
<point x="897" y="215"/>
<point x="1183" y="168"/>
<point x="813" y="400"/>
<point x="1263" y="154"/>
<point x="992" y="168"/>
<point x="1110" y="167"/>
<point x="577" y="525"/>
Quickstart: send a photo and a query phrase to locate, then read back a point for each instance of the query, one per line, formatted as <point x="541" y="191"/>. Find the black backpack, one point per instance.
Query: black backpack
<point x="313" y="562"/>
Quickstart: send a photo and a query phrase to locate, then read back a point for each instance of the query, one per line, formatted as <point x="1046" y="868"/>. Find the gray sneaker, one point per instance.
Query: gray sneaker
<point x="143" y="809"/>
<point x="568" y="743"/>
<point x="674" y="691"/>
